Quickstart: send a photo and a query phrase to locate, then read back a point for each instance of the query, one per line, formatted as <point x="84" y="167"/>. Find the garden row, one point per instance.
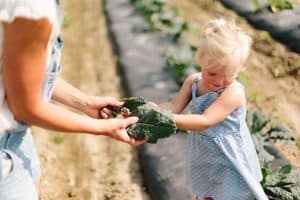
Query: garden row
<point x="140" y="44"/>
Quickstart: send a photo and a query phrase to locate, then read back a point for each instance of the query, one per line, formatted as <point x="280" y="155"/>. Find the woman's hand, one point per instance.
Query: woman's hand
<point x="96" y="107"/>
<point x="118" y="130"/>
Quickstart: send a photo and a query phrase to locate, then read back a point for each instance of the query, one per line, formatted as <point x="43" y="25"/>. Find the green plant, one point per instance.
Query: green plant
<point x="279" y="5"/>
<point x="154" y="123"/>
<point x="67" y="21"/>
<point x="264" y="132"/>
<point x="58" y="139"/>
<point x="183" y="63"/>
<point x="254" y="97"/>
<point x="282" y="183"/>
<point x="131" y="103"/>
<point x="273" y="5"/>
<point x="243" y="77"/>
<point x="170" y="23"/>
<point x="161" y="18"/>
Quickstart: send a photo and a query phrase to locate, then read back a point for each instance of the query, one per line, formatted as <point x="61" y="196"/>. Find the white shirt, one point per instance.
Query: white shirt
<point x="32" y="9"/>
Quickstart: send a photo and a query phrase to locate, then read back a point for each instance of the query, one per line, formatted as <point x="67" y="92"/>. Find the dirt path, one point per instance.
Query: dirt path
<point x="87" y="167"/>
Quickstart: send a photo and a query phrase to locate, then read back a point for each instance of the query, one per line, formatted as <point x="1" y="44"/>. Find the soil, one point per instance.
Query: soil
<point x="80" y="166"/>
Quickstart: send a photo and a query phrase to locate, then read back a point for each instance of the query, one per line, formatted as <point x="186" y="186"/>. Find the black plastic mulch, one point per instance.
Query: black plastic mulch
<point x="283" y="25"/>
<point x="141" y="63"/>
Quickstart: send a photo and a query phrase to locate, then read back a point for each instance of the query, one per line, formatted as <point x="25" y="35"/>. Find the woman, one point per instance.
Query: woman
<point x="30" y="47"/>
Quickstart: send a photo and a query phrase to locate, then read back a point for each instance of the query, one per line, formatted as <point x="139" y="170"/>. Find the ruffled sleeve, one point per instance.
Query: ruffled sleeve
<point x="32" y="9"/>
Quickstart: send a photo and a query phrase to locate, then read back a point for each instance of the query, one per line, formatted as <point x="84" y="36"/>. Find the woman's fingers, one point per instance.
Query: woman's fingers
<point x="99" y="102"/>
<point x="110" y="101"/>
<point x="105" y="113"/>
<point x="129" y="121"/>
<point x="135" y="142"/>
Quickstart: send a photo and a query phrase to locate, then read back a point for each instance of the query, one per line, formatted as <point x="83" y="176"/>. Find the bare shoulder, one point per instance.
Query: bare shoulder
<point x="234" y="95"/>
<point x="23" y="29"/>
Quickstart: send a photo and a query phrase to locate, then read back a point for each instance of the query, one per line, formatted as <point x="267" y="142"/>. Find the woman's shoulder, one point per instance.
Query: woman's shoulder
<point x="31" y="9"/>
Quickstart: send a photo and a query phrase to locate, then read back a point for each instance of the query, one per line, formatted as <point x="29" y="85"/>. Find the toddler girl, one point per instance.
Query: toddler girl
<point x="222" y="163"/>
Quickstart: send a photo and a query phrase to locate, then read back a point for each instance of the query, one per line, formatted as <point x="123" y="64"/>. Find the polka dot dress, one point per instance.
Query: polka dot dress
<point x="222" y="161"/>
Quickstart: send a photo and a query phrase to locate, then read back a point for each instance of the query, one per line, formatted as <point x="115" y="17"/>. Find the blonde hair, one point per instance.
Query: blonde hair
<point x="224" y="44"/>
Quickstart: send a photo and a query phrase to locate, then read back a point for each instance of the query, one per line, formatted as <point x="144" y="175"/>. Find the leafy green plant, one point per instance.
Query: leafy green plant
<point x="161" y="18"/>
<point x="170" y="23"/>
<point x="183" y="63"/>
<point x="149" y="7"/>
<point x="131" y="103"/>
<point x="273" y="5"/>
<point x="154" y="123"/>
<point x="282" y="183"/>
<point x="279" y="5"/>
<point x="259" y="123"/>
<point x="264" y="132"/>
<point x="67" y="21"/>
<point x="254" y="97"/>
<point x="243" y="77"/>
<point x="58" y="139"/>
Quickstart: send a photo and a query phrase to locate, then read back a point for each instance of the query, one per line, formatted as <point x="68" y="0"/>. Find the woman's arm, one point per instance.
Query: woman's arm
<point x="24" y="60"/>
<point x="229" y="100"/>
<point x="182" y="98"/>
<point x="93" y="106"/>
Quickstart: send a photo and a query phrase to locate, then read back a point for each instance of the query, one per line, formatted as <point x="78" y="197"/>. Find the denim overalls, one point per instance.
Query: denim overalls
<point x="17" y="144"/>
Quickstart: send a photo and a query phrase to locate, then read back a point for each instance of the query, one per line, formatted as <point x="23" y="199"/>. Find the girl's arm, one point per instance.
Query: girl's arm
<point x="24" y="60"/>
<point x="182" y="98"/>
<point x="229" y="100"/>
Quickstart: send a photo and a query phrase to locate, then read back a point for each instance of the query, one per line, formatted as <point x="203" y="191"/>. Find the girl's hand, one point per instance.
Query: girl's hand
<point x="118" y="130"/>
<point x="96" y="107"/>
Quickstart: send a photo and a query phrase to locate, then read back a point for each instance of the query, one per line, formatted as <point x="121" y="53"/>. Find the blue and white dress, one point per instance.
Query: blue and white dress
<point x="222" y="162"/>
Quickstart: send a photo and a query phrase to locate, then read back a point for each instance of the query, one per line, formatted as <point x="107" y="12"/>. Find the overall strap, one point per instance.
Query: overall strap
<point x="195" y="87"/>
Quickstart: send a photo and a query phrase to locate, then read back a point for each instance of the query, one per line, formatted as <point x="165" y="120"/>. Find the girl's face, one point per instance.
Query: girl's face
<point x="214" y="78"/>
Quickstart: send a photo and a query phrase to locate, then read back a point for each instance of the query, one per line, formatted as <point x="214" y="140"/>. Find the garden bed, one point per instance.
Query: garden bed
<point x="143" y="65"/>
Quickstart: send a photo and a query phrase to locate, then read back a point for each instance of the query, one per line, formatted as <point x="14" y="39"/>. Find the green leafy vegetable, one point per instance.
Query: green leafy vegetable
<point x="154" y="123"/>
<point x="282" y="183"/>
<point x="264" y="132"/>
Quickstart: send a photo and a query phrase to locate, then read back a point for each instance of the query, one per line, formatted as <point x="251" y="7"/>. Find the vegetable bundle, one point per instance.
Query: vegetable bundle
<point x="154" y="123"/>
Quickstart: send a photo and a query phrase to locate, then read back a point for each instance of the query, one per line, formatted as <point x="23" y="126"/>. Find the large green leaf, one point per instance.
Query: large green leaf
<point x="154" y="123"/>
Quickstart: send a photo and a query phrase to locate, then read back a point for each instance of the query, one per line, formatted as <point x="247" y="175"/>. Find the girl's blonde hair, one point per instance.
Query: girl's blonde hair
<point x="224" y="44"/>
